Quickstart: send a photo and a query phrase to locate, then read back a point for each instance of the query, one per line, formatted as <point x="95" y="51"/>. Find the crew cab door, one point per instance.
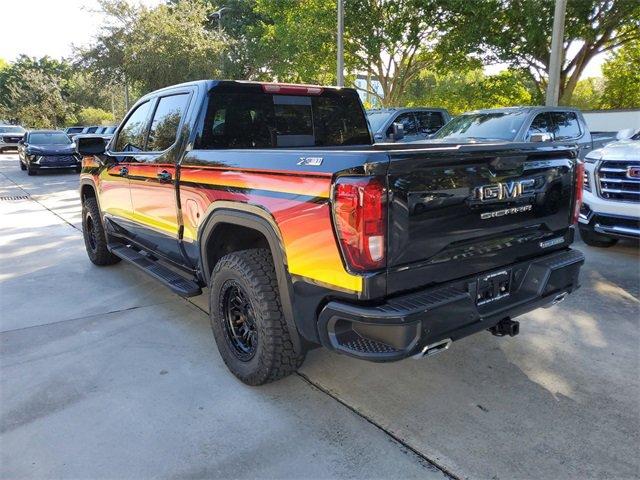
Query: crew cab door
<point x="410" y="124"/>
<point x="113" y="185"/>
<point x="152" y="178"/>
<point x="569" y="132"/>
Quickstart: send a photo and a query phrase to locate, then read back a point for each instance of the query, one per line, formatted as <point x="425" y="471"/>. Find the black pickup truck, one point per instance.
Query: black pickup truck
<point x="306" y="233"/>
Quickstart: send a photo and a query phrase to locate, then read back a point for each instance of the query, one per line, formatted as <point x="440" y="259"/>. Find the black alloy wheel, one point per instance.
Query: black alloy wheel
<point x="239" y="321"/>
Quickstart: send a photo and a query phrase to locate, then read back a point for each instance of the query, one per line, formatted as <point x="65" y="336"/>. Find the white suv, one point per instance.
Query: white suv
<point x="611" y="203"/>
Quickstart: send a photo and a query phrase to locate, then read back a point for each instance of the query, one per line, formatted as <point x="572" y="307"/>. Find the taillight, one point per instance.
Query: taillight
<point x="289" y="89"/>
<point x="579" y="183"/>
<point x="359" y="210"/>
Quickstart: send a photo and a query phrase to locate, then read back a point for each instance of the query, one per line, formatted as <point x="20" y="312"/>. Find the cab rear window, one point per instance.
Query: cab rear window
<point x="243" y="118"/>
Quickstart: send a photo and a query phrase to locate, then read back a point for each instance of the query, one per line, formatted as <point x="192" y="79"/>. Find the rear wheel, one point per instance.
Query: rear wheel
<point x="95" y="238"/>
<point x="595" y="239"/>
<point x="247" y="320"/>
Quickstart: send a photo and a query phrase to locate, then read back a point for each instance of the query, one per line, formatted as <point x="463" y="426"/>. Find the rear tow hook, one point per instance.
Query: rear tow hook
<point x="506" y="326"/>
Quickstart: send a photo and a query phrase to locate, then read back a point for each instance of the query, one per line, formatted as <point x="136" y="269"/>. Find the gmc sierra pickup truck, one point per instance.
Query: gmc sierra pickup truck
<point x="276" y="198"/>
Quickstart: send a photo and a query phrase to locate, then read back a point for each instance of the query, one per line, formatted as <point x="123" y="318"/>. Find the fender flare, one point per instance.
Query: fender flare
<point x="256" y="218"/>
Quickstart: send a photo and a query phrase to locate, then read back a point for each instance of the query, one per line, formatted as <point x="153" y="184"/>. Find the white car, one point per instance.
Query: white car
<point x="611" y="194"/>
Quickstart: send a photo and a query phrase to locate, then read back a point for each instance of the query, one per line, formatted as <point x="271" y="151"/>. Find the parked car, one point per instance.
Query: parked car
<point x="104" y="132"/>
<point x="611" y="208"/>
<point x="47" y="149"/>
<point x="276" y="198"/>
<point x="417" y="123"/>
<point x="10" y="135"/>
<point x="73" y="130"/>
<point x="554" y="125"/>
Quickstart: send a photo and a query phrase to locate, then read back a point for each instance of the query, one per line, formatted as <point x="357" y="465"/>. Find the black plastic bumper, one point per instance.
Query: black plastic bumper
<point x="404" y="325"/>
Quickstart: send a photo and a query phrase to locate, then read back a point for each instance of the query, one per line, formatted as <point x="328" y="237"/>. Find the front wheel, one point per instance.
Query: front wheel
<point x="595" y="239"/>
<point x="22" y="167"/>
<point x="31" y="171"/>
<point x="95" y="238"/>
<point x="247" y="320"/>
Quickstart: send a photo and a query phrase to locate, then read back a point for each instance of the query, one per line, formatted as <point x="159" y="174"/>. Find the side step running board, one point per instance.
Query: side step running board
<point x="176" y="282"/>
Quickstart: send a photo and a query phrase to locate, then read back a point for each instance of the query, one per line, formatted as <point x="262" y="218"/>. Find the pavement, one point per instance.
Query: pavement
<point x="105" y="373"/>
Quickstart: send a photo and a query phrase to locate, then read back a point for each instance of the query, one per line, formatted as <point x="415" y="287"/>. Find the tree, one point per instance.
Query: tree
<point x="154" y="47"/>
<point x="33" y="92"/>
<point x="622" y="78"/>
<point x="518" y="32"/>
<point x="94" y="116"/>
<point x="587" y="94"/>
<point x="471" y="90"/>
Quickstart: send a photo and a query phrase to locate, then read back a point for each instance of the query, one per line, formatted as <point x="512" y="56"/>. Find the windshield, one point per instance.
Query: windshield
<point x="11" y="129"/>
<point x="494" y="126"/>
<point x="54" y="138"/>
<point x="377" y="119"/>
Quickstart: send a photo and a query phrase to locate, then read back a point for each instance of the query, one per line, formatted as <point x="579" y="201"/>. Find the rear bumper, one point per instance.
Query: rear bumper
<point x="404" y="325"/>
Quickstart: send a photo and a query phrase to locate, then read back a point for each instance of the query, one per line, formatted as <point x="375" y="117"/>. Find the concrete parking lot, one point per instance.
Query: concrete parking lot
<point x="105" y="373"/>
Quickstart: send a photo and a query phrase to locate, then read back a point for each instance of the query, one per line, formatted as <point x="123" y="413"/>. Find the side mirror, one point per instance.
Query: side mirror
<point x="541" y="137"/>
<point x="626" y="134"/>
<point x="93" y="145"/>
<point x="398" y="132"/>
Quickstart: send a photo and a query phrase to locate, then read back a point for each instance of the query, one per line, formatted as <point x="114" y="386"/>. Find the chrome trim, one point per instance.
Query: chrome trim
<point x="433" y="349"/>
<point x="616" y="230"/>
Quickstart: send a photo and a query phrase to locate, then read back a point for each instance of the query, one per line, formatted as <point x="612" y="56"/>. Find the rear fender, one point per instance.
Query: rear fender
<point x="253" y="217"/>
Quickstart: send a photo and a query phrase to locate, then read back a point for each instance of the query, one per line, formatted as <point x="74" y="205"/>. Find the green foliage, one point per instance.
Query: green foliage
<point x="33" y="92"/>
<point x="518" y="32"/>
<point x="587" y="94"/>
<point x="155" y="47"/>
<point x="622" y="78"/>
<point x="461" y="92"/>
<point x="94" y="116"/>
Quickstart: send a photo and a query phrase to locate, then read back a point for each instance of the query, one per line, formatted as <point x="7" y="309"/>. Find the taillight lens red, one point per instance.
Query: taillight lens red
<point x="579" y="183"/>
<point x="359" y="209"/>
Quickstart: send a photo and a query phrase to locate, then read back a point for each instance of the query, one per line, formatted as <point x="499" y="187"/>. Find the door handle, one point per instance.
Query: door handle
<point x="164" y="176"/>
<point x="123" y="172"/>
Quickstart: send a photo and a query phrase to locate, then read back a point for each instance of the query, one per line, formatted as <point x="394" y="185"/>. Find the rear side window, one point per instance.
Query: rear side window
<point x="429" y="122"/>
<point x="566" y="125"/>
<point x="166" y="120"/>
<point x="541" y="124"/>
<point x="237" y="118"/>
<point x="131" y="136"/>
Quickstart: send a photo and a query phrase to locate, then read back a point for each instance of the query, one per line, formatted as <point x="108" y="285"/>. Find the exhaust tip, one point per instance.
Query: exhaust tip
<point x="434" y="349"/>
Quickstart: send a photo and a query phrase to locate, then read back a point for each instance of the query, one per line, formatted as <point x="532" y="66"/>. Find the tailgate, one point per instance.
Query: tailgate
<point x="457" y="211"/>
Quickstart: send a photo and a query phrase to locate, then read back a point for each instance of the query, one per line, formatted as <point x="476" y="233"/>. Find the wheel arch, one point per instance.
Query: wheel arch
<point x="223" y="214"/>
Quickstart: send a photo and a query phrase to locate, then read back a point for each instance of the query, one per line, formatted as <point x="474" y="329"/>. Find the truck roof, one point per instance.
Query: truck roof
<point x="525" y="109"/>
<point x="209" y="84"/>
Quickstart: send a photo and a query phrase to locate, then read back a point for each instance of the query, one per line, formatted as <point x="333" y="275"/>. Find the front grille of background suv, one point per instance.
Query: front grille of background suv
<point x="614" y="184"/>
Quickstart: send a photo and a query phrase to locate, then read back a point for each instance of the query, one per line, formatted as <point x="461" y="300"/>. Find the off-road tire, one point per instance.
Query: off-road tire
<point x="595" y="239"/>
<point x="252" y="271"/>
<point x="22" y="166"/>
<point x="95" y="238"/>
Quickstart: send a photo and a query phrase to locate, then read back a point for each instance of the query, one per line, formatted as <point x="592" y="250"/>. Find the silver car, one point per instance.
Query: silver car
<point x="10" y="135"/>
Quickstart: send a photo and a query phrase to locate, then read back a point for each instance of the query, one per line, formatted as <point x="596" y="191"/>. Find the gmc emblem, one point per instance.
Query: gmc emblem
<point x="503" y="191"/>
<point x="633" y="172"/>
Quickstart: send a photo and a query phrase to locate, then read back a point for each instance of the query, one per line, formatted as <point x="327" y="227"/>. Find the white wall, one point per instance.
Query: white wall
<point x="612" y="120"/>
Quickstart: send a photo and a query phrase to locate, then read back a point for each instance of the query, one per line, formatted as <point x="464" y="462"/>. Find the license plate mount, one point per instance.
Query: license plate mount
<point x="493" y="287"/>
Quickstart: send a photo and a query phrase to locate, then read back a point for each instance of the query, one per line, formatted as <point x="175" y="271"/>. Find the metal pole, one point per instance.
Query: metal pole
<point x="555" y="62"/>
<point x="340" y="66"/>
<point x="219" y="15"/>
